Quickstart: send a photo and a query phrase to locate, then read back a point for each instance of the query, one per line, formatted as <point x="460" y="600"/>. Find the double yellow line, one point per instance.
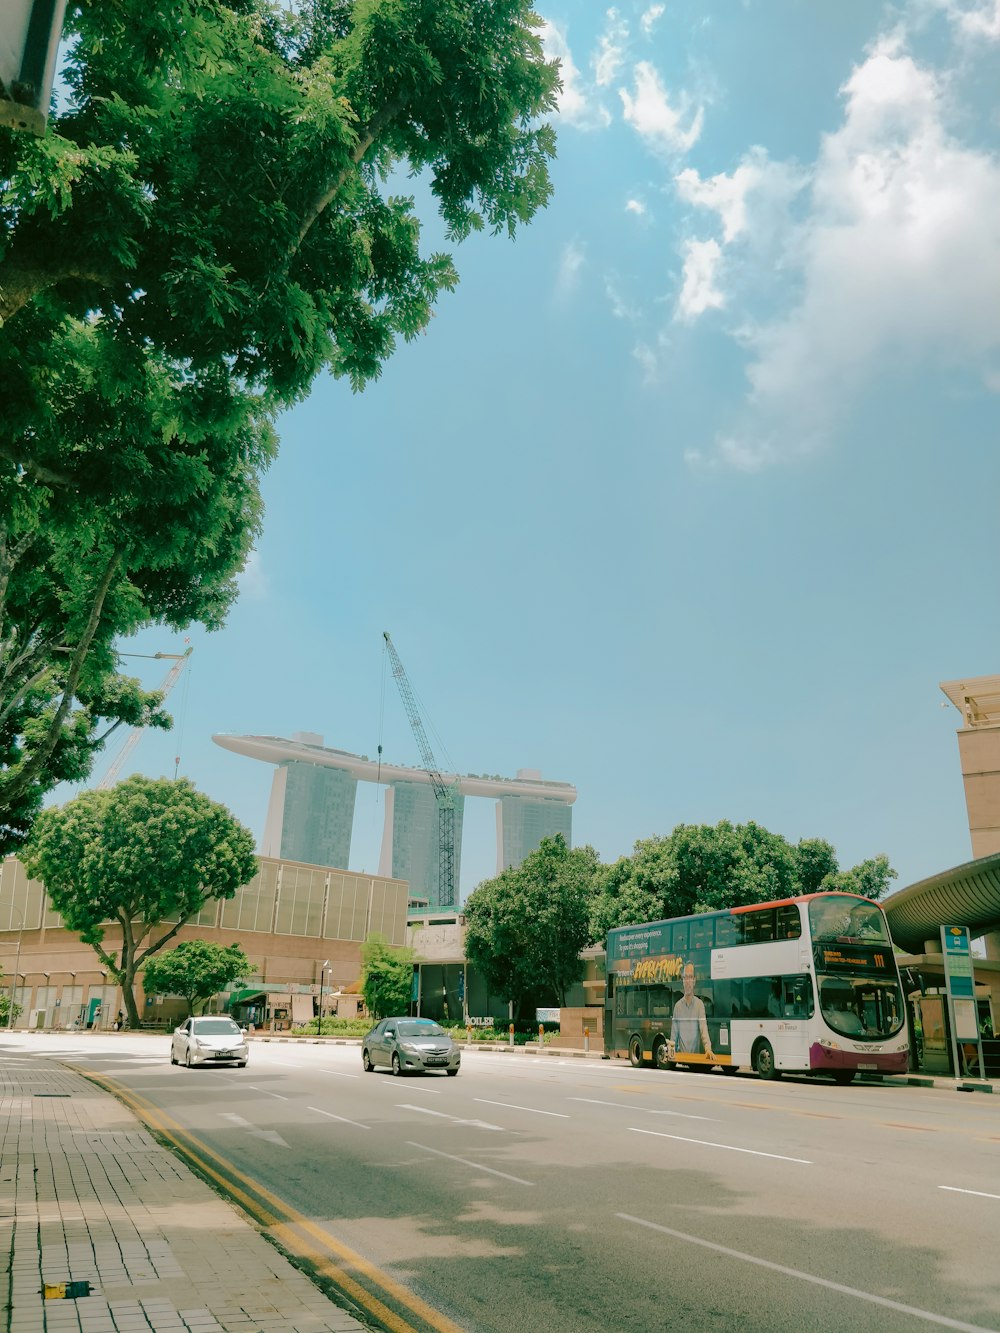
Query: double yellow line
<point x="297" y="1234"/>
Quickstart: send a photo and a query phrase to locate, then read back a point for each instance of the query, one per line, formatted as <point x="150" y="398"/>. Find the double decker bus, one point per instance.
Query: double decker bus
<point x="804" y="985"/>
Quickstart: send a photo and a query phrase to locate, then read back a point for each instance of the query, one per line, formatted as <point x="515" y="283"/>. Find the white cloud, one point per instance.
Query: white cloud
<point x="635" y="206"/>
<point x="896" y="263"/>
<point x="571" y="262"/>
<point x="757" y="181"/>
<point x="649" y="111"/>
<point x="648" y="20"/>
<point x="578" y="105"/>
<point x="979" y="19"/>
<point x="252" y="581"/>
<point x="610" y="49"/>
<point x="698" y="290"/>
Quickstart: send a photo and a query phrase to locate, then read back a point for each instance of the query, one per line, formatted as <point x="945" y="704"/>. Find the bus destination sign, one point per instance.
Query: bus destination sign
<point x="852" y="958"/>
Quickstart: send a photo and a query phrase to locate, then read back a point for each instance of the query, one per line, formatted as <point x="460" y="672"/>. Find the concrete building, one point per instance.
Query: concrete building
<point x="529" y="808"/>
<point x="301" y="926"/>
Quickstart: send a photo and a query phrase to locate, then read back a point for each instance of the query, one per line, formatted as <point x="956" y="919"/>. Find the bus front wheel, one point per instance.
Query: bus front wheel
<point x="635" y="1052"/>
<point x="843" y="1075"/>
<point x="763" y="1061"/>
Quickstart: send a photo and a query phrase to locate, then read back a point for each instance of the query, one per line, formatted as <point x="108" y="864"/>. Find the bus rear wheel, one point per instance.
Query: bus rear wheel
<point x="763" y="1060"/>
<point x="660" y="1058"/>
<point x="635" y="1052"/>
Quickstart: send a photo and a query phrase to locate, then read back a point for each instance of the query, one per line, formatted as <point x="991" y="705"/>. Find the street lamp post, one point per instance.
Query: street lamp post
<point x="17" y="965"/>
<point x="29" y="40"/>
<point x="319" y="1015"/>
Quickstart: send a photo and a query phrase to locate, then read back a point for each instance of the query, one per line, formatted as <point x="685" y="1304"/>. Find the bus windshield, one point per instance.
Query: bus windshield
<point x="872" y="1009"/>
<point x="847" y="919"/>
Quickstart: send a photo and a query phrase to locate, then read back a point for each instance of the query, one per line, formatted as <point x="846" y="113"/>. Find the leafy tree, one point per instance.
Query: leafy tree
<point x="210" y="223"/>
<point x="145" y="857"/>
<point x="386" y="977"/>
<point x="524" y="929"/>
<point x="701" y="867"/>
<point x="196" y="970"/>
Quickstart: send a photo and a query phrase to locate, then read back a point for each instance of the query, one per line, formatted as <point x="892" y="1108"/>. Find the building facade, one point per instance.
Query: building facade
<point x="310" y="816"/>
<point x="301" y="926"/>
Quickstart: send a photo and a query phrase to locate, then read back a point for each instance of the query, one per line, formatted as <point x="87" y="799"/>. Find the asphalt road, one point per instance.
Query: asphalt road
<point x="568" y="1195"/>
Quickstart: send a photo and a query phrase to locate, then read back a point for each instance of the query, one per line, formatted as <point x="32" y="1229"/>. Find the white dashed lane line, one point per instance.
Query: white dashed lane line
<point x="727" y="1147"/>
<point x="464" y="1161"/>
<point x="645" y="1110"/>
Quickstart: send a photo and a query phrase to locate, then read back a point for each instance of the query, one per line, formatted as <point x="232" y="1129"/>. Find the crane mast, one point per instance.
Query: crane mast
<point x="169" y="681"/>
<point x="443" y="794"/>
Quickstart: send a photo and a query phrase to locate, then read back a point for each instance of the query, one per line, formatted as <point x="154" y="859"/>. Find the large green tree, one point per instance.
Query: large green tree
<point x="703" y="867"/>
<point x="214" y="217"/>
<point x="195" y="970"/>
<point x="144" y="857"/>
<point x="386" y="977"/>
<point x="525" y="928"/>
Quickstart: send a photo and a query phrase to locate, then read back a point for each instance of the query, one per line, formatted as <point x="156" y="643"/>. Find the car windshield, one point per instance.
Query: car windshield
<point x="216" y="1027"/>
<point x="420" y="1027"/>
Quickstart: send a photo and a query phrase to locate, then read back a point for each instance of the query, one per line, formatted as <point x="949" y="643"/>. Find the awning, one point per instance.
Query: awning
<point x="245" y="996"/>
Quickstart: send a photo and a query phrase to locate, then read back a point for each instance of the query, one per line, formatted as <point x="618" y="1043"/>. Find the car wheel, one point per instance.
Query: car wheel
<point x="187" y="1058"/>
<point x="397" y="1068"/>
<point x="173" y="1058"/>
<point x="366" y="1060"/>
<point x="635" y="1052"/>
<point x="452" y="1073"/>
<point x="763" y="1061"/>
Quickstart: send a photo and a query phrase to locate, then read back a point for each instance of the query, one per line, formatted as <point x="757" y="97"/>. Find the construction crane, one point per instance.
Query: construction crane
<point x="169" y="681"/>
<point x="443" y="794"/>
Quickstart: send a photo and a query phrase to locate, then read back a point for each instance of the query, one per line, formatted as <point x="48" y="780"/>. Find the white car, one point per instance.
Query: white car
<point x="210" y="1040"/>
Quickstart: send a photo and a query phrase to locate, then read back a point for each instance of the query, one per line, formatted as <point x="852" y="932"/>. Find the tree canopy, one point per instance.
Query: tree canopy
<point x="702" y="867"/>
<point x="144" y="857"/>
<point x="525" y="928"/>
<point x="195" y="970"/>
<point x="386" y="977"/>
<point x="213" y="218"/>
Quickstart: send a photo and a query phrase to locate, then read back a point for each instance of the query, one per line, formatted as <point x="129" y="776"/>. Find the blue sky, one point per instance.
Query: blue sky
<point x="688" y="496"/>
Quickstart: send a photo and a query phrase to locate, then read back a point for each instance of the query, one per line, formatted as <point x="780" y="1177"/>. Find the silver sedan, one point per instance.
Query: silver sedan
<point x="209" y="1040"/>
<point x="407" y="1045"/>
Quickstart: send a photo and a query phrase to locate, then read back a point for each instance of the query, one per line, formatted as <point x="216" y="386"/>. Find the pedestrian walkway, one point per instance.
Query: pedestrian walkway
<point x="88" y="1196"/>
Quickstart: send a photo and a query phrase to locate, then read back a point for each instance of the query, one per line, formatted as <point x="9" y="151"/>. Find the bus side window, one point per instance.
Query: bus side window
<point x="701" y="933"/>
<point x="798" y="997"/>
<point x="774" y="1005"/>
<point x="679" y="938"/>
<point x="789" y="922"/>
<point x="727" y="931"/>
<point x="736" y="998"/>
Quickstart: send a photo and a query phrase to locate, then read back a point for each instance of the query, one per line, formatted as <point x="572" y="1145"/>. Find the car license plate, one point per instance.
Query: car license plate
<point x="436" y="1060"/>
<point x="224" y="1055"/>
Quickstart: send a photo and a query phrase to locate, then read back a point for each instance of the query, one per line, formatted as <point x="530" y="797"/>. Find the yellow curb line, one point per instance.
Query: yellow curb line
<point x="284" y="1218"/>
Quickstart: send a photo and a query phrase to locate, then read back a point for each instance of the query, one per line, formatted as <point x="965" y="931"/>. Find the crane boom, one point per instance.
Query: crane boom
<point x="169" y="681"/>
<point x="442" y="792"/>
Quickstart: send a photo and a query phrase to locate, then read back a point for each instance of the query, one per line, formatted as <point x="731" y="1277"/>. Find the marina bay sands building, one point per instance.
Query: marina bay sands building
<point x="310" y="815"/>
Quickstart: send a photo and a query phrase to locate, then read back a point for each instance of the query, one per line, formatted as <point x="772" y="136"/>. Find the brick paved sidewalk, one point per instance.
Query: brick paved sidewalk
<point x="86" y="1194"/>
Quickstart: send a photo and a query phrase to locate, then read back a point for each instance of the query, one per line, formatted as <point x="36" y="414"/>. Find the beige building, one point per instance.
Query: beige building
<point x="300" y="925"/>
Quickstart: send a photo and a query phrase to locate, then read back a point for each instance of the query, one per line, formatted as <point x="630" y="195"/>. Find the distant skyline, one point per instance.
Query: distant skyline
<point x="688" y="496"/>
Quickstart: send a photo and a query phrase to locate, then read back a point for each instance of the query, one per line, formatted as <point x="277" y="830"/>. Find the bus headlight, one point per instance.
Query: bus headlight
<point x="830" y="1045"/>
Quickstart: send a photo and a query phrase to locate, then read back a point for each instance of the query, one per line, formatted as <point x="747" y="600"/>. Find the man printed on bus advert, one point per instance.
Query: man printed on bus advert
<point x="689" y="1026"/>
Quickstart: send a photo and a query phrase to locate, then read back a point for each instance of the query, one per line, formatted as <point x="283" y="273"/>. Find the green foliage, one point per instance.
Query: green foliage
<point x="207" y="226"/>
<point x="143" y="856"/>
<point x="195" y="969"/>
<point x="386" y="977"/>
<point x="526" y="927"/>
<point x="334" y="1027"/>
<point x="702" y="868"/>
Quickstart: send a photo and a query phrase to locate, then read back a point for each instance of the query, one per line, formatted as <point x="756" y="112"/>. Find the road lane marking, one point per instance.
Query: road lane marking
<point x="476" y="1166"/>
<point x="269" y="1135"/>
<point x="253" y="1088"/>
<point x="336" y="1073"/>
<point x="920" y="1129"/>
<point x="979" y="1193"/>
<point x="343" y="1118"/>
<point x="284" y="1221"/>
<point x="753" y="1152"/>
<point x="456" y="1120"/>
<point x="884" y="1301"/>
<point x="533" y="1110"/>
<point x="644" y="1110"/>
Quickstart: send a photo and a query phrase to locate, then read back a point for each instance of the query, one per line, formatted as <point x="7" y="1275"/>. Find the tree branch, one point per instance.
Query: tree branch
<point x="20" y="284"/>
<point x="367" y="136"/>
<point x="36" y="470"/>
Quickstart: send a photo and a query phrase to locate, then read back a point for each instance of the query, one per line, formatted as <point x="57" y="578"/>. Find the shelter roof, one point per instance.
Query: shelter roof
<point x="967" y="895"/>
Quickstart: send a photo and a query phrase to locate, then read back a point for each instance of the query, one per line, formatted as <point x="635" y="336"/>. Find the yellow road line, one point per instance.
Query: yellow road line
<point x="283" y="1218"/>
